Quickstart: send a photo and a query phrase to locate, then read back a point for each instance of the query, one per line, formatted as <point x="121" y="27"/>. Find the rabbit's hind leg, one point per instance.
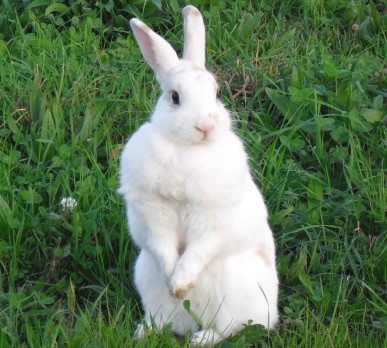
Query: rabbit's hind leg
<point x="160" y="308"/>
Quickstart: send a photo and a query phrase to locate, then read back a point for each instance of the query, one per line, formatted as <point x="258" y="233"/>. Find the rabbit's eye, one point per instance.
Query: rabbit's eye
<point x="175" y="98"/>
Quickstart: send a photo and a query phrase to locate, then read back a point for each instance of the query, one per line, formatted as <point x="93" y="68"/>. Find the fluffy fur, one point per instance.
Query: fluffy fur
<point x="192" y="206"/>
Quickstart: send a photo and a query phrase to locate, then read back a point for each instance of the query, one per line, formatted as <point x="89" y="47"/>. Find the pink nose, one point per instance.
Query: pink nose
<point x="205" y="128"/>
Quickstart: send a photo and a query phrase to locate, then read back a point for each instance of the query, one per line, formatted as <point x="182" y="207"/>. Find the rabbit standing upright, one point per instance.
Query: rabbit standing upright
<point x="192" y="206"/>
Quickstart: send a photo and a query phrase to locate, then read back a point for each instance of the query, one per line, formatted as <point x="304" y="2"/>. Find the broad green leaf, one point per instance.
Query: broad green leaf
<point x="30" y="197"/>
<point x="12" y="124"/>
<point x="315" y="196"/>
<point x="57" y="7"/>
<point x="305" y="280"/>
<point x="133" y="10"/>
<point x="65" y="151"/>
<point x="358" y="122"/>
<point x="315" y="190"/>
<point x="60" y="125"/>
<point x="109" y="5"/>
<point x="300" y="96"/>
<point x="59" y="21"/>
<point x="338" y="154"/>
<point x="3" y="47"/>
<point x="247" y="28"/>
<point x="293" y="144"/>
<point x="321" y="90"/>
<point x="295" y="79"/>
<point x="37" y="3"/>
<point x="378" y="102"/>
<point x="47" y="136"/>
<point x="376" y="17"/>
<point x="90" y="121"/>
<point x="121" y="21"/>
<point x="174" y="4"/>
<point x="340" y="134"/>
<point x="5" y="214"/>
<point x="37" y="102"/>
<point x="297" y="144"/>
<point x="281" y="101"/>
<point x="330" y="68"/>
<point x="35" y="147"/>
<point x="325" y="123"/>
<point x="48" y="126"/>
<point x="158" y="4"/>
<point x="372" y="115"/>
<point x="247" y="337"/>
<point x="47" y="300"/>
<point x="63" y="252"/>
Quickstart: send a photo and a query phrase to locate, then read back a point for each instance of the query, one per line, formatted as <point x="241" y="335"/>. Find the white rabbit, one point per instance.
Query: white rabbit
<point x="192" y="206"/>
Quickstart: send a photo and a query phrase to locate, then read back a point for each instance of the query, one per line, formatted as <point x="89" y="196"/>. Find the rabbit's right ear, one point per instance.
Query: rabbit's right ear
<point x="194" y="36"/>
<point x="157" y="52"/>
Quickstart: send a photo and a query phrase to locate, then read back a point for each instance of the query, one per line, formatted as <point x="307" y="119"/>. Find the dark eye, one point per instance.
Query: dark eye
<point x="175" y="98"/>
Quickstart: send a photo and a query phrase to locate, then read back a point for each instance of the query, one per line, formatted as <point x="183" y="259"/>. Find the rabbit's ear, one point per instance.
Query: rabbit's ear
<point x="157" y="52"/>
<point x="194" y="36"/>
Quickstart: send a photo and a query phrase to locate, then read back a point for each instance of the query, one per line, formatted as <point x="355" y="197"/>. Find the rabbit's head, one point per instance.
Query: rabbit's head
<point x="188" y="111"/>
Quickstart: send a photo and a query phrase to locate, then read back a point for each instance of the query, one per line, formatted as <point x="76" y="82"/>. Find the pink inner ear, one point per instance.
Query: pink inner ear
<point x="158" y="53"/>
<point x="143" y="38"/>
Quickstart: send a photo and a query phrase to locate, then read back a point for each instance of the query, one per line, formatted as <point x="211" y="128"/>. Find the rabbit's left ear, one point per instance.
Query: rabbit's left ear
<point x="194" y="36"/>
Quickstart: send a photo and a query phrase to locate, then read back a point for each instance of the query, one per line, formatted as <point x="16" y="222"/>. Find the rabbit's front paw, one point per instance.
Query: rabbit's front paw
<point x="180" y="291"/>
<point x="180" y="285"/>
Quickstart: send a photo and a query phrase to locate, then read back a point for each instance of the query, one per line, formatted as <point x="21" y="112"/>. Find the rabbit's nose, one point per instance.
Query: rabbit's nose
<point x="205" y="128"/>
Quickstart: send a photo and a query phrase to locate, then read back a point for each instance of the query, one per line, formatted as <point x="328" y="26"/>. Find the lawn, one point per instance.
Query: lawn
<point x="306" y="84"/>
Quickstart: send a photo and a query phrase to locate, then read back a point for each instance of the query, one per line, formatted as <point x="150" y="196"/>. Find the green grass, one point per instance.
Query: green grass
<point x="305" y="81"/>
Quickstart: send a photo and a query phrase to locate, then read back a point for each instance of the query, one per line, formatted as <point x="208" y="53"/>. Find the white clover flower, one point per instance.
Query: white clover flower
<point x="68" y="203"/>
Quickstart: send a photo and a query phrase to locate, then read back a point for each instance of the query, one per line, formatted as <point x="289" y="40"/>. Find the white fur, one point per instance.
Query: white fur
<point x="194" y="36"/>
<point x="192" y="206"/>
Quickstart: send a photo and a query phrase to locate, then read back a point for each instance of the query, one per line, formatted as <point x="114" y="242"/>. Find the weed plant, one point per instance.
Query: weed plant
<point x="306" y="84"/>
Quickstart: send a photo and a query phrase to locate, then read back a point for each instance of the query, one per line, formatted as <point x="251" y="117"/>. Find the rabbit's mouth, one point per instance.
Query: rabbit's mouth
<point x="204" y="133"/>
<point x="205" y="137"/>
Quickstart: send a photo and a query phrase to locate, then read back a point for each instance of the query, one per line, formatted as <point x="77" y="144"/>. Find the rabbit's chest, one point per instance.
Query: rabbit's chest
<point x="195" y="176"/>
<point x="169" y="181"/>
